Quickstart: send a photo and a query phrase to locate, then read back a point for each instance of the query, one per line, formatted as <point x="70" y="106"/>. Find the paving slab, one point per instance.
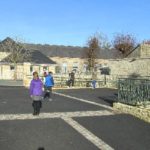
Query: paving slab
<point x="14" y="100"/>
<point x="104" y="96"/>
<point x="122" y="131"/>
<point x="76" y="122"/>
<point x="52" y="134"/>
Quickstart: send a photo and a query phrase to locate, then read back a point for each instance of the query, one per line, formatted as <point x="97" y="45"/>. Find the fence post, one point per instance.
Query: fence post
<point x="105" y="79"/>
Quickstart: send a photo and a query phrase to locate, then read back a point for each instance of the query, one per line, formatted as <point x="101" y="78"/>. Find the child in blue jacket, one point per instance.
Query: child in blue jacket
<point x="49" y="83"/>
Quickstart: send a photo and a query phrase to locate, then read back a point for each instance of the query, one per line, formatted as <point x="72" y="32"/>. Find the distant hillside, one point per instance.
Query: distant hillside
<point x="54" y="50"/>
<point x="70" y="51"/>
<point x="65" y="51"/>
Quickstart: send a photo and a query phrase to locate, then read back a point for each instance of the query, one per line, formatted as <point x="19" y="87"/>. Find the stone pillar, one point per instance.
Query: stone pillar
<point x="26" y="73"/>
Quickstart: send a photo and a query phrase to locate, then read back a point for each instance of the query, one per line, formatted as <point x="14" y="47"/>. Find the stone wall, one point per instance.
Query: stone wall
<point x="6" y="73"/>
<point x="145" y="51"/>
<point x="71" y="61"/>
<point x="136" y="53"/>
<point x="140" y="112"/>
<point x="3" y="55"/>
<point x="142" y="51"/>
<point x="23" y="70"/>
<point x="125" y="67"/>
<point x="119" y="68"/>
<point x="27" y="75"/>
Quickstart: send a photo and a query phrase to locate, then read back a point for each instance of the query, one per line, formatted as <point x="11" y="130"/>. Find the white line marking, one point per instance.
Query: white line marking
<point x="83" y="100"/>
<point x="55" y="115"/>
<point x="87" y="134"/>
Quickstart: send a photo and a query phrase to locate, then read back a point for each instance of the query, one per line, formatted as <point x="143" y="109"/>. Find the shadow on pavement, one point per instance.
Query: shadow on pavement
<point x="41" y="148"/>
<point x="109" y="99"/>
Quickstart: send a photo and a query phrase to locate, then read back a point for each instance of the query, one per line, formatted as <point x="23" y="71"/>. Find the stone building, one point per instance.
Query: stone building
<point x="69" y="58"/>
<point x="37" y="62"/>
<point x="61" y="60"/>
<point x="137" y="62"/>
<point x="141" y="51"/>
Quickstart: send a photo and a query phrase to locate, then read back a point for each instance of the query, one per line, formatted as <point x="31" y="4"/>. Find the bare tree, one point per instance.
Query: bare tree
<point x="92" y="51"/>
<point x="124" y="43"/>
<point x="104" y="43"/>
<point x="17" y="53"/>
<point x="147" y="42"/>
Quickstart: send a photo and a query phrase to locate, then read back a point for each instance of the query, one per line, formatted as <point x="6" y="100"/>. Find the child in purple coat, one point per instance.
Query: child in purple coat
<point x="36" y="93"/>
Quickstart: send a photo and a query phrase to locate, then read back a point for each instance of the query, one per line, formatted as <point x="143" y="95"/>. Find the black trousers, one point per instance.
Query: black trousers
<point x="71" y="82"/>
<point x="48" y="92"/>
<point x="36" y="106"/>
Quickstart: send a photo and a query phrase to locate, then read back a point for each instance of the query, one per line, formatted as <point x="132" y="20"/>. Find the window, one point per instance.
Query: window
<point x="12" y="67"/>
<point x="85" y="67"/>
<point x="64" y="67"/>
<point x="57" y="69"/>
<point x="100" y="65"/>
<point x="31" y="69"/>
<point x="45" y="68"/>
<point x="105" y="71"/>
<point x="105" y="64"/>
<point x="75" y="66"/>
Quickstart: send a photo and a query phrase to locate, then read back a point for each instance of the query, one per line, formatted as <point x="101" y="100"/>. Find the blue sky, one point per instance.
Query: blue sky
<point x="71" y="22"/>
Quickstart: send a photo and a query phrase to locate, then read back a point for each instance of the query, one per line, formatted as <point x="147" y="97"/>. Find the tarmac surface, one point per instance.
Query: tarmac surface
<point x="76" y="119"/>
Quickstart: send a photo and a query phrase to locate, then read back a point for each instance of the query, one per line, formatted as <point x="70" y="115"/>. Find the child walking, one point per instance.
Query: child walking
<point x="93" y="83"/>
<point x="36" y="93"/>
<point x="48" y="85"/>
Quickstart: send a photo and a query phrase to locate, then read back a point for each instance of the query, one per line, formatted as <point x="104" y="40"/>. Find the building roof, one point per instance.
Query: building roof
<point x="33" y="57"/>
<point x="70" y="51"/>
<point x="40" y="58"/>
<point x="57" y="51"/>
<point x="47" y="51"/>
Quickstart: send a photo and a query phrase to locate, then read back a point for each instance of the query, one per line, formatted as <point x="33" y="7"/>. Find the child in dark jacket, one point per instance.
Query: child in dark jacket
<point x="36" y="93"/>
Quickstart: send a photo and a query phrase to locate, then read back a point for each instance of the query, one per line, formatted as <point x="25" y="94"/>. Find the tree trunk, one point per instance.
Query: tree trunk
<point x="15" y="71"/>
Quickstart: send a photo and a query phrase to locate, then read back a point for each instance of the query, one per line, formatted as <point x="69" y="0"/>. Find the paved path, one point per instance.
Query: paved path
<point x="11" y="82"/>
<point x="75" y="120"/>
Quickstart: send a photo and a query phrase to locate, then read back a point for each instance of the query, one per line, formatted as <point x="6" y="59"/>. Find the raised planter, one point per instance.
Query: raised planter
<point x="137" y="111"/>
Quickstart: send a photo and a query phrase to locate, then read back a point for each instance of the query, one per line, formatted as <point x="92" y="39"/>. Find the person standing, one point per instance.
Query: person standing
<point x="72" y="78"/>
<point x="36" y="93"/>
<point x="93" y="83"/>
<point x="43" y="79"/>
<point x="44" y="76"/>
<point x="49" y="83"/>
